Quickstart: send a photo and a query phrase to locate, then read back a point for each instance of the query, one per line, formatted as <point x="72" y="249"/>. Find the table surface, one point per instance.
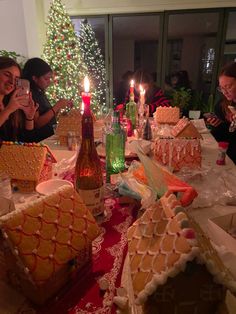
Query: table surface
<point x="209" y="156"/>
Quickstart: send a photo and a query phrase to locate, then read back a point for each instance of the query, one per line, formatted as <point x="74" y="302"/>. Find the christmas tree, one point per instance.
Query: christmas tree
<point x="62" y="52"/>
<point x="94" y="60"/>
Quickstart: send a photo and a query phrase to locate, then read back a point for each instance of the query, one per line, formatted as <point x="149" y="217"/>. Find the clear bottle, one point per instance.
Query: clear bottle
<point x="115" y="147"/>
<point x="88" y="171"/>
<point x="131" y="111"/>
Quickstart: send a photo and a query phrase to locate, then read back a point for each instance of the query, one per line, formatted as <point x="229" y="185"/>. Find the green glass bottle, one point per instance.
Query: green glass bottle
<point x="115" y="147"/>
<point x="131" y="111"/>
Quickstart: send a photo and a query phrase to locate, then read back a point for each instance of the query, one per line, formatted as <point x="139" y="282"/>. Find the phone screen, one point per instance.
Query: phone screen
<point x="23" y="86"/>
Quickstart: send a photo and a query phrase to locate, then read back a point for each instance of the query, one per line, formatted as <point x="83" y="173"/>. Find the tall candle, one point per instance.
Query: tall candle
<point x="86" y="96"/>
<point x="131" y="87"/>
<point x="82" y="108"/>
<point x="142" y="95"/>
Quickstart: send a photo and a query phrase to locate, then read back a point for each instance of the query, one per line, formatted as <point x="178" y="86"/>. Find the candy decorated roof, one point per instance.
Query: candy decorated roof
<point x="23" y="161"/>
<point x="49" y="232"/>
<point x="160" y="243"/>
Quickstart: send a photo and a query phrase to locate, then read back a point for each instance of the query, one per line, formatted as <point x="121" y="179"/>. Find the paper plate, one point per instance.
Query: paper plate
<point x="48" y="187"/>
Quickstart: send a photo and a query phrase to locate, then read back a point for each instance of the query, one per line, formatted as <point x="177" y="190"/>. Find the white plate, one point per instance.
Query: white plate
<point x="48" y="187"/>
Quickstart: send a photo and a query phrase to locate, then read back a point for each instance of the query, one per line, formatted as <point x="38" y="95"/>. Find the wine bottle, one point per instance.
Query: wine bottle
<point x="88" y="172"/>
<point x="131" y="110"/>
<point x="115" y="147"/>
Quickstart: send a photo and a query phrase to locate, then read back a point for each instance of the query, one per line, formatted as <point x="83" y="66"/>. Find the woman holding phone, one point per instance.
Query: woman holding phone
<point x="224" y="110"/>
<point x="39" y="73"/>
<point x="17" y="110"/>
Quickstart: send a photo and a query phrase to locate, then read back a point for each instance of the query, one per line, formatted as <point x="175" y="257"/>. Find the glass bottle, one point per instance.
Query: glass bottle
<point x="131" y="110"/>
<point x="88" y="171"/>
<point x="147" y="131"/>
<point x="115" y="147"/>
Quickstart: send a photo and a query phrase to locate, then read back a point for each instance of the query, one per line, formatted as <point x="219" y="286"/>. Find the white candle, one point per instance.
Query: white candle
<point x="142" y="95"/>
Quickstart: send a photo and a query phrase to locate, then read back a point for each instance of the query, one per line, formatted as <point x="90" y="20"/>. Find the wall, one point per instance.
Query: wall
<point x="22" y="26"/>
<point x="12" y="27"/>
<point x="76" y="7"/>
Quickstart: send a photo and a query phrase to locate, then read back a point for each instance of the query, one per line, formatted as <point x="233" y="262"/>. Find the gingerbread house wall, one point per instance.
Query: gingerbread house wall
<point x="191" y="291"/>
<point x="76" y="268"/>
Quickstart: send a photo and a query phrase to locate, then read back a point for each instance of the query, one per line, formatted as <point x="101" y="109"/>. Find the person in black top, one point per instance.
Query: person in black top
<point x="39" y="73"/>
<point x="223" y="115"/>
<point x="16" y="111"/>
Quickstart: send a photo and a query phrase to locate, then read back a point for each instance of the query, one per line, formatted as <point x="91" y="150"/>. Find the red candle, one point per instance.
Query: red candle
<point x="86" y="96"/>
<point x="131" y="87"/>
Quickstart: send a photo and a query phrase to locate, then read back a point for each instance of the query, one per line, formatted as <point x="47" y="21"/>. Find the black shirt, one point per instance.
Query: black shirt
<point x="44" y="106"/>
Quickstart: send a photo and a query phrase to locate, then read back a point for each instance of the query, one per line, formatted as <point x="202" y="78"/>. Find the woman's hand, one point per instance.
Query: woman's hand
<point x="62" y="103"/>
<point x="17" y="102"/>
<point x="31" y="109"/>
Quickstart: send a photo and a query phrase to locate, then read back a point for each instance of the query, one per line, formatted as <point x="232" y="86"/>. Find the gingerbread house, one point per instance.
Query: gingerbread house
<point x="166" y="115"/>
<point x="47" y="243"/>
<point x="26" y="164"/>
<point x="172" y="265"/>
<point x="185" y="129"/>
<point x="182" y="149"/>
<point x="69" y="122"/>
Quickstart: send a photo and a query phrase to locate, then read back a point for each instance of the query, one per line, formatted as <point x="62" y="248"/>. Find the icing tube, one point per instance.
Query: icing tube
<point x="188" y="195"/>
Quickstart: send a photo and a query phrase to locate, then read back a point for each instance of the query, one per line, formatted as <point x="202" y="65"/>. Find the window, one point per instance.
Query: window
<point x="135" y="45"/>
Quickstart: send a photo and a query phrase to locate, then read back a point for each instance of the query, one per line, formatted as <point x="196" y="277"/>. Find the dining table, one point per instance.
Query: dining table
<point x="96" y="293"/>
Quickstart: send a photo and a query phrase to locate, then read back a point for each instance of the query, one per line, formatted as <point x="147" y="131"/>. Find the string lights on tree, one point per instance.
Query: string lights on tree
<point x="94" y="60"/>
<point x="62" y="52"/>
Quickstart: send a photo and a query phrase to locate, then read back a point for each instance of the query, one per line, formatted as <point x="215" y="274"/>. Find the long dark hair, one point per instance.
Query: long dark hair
<point x="16" y="119"/>
<point x="35" y="67"/>
<point x="229" y="69"/>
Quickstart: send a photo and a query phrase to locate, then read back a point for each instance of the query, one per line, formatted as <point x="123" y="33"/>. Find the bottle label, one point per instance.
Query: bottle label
<point x="94" y="200"/>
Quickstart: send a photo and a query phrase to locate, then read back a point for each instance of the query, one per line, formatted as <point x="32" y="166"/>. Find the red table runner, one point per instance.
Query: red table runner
<point x="109" y="250"/>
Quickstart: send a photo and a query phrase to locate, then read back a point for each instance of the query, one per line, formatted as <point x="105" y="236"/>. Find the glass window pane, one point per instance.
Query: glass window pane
<point x="135" y="45"/>
<point x="191" y="47"/>
<point x="98" y="26"/>
<point x="230" y="41"/>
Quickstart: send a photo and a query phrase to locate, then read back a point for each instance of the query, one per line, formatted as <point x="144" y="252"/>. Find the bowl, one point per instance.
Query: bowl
<point x="50" y="186"/>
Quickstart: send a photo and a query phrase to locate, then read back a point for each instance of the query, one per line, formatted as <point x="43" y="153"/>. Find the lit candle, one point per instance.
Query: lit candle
<point x="131" y="87"/>
<point x="86" y="96"/>
<point x="82" y="108"/>
<point x="142" y="95"/>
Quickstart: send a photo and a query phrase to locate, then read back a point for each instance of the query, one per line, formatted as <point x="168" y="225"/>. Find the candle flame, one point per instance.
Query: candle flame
<point x="132" y="83"/>
<point x="86" y="84"/>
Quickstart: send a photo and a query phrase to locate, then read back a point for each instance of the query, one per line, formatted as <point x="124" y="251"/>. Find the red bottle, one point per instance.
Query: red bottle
<point x="88" y="172"/>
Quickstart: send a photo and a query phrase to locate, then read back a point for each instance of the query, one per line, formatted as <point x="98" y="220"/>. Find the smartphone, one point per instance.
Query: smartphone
<point x="232" y="109"/>
<point x="210" y="115"/>
<point x="23" y="87"/>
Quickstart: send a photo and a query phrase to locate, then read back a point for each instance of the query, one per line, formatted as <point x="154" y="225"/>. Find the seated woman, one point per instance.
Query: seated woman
<point x="39" y="73"/>
<point x="224" y="117"/>
<point x="16" y="119"/>
<point x="154" y="96"/>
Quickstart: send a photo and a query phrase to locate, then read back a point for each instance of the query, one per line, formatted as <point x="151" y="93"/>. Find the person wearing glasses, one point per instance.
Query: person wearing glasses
<point x="224" y="120"/>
